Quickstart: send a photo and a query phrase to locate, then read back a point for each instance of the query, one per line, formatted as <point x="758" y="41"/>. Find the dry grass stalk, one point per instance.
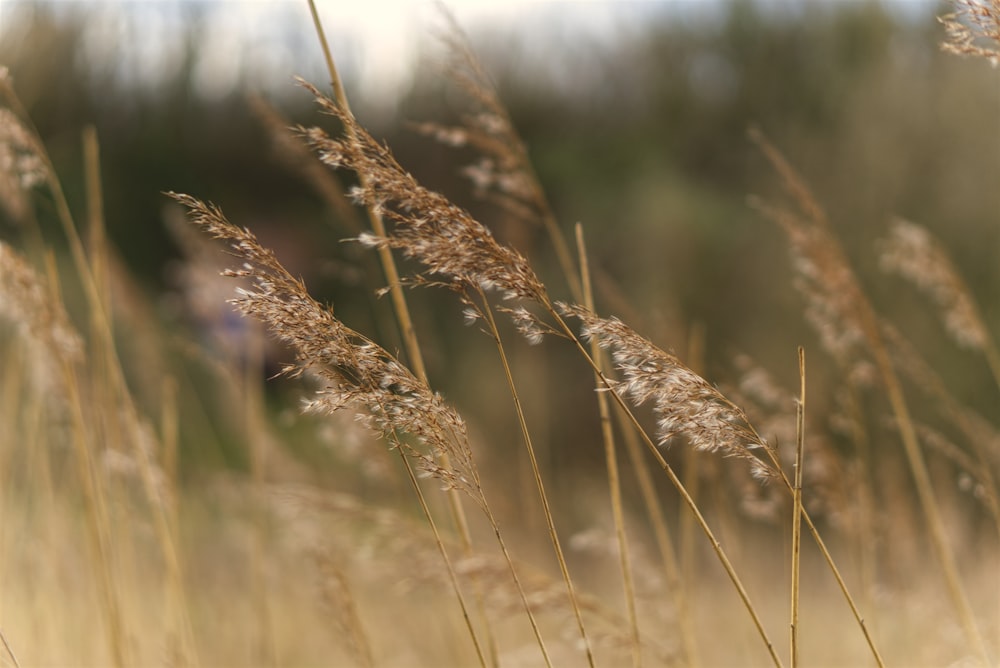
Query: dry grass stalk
<point x="973" y="21"/>
<point x="835" y="303"/>
<point x="56" y="353"/>
<point x="427" y="226"/>
<point x="457" y="252"/>
<point x="911" y="252"/>
<point x="756" y="386"/>
<point x="99" y="526"/>
<point x="850" y="330"/>
<point x="611" y="462"/>
<point x="356" y="372"/>
<point x="130" y="435"/>
<point x="505" y="175"/>
<point x="622" y="341"/>
<point x="767" y="405"/>
<point x="977" y="432"/>
<point x="102" y="379"/>
<point x="504" y="172"/>
<point x="400" y="308"/>
<point x="336" y="590"/>
<point x="9" y="650"/>
<point x="394" y="288"/>
<point x="661" y="532"/>
<point x="92" y="271"/>
<point x="486" y="313"/>
<point x="684" y="403"/>
<point x="694" y="470"/>
<point x="800" y="410"/>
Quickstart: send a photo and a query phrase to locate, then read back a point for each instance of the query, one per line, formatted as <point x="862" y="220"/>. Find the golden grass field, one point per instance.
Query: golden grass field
<point x="725" y="521"/>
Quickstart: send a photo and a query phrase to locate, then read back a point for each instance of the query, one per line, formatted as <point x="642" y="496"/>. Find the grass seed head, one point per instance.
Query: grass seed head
<point x="684" y="403"/>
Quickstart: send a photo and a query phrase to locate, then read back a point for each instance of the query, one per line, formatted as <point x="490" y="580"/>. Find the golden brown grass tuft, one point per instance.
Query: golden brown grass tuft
<point x="974" y="29"/>
<point x="364" y="557"/>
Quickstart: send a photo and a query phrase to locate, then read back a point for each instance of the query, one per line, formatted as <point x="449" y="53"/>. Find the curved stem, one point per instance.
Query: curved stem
<point x="676" y="482"/>
<point x="403" y="318"/>
<point x="546" y="509"/>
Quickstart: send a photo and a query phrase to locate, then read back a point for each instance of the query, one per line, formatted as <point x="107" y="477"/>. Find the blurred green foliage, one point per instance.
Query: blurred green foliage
<point x="645" y="145"/>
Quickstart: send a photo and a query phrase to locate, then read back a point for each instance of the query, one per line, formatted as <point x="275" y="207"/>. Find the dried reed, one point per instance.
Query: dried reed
<point x="357" y="373"/>
<point x="850" y="331"/>
<point x="458" y="253"/>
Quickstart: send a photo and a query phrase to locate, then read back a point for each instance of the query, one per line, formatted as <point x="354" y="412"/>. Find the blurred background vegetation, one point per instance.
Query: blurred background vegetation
<point x="641" y="137"/>
<point x="636" y="117"/>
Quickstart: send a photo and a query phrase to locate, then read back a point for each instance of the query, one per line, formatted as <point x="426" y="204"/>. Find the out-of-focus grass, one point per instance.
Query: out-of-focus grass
<point x="295" y="540"/>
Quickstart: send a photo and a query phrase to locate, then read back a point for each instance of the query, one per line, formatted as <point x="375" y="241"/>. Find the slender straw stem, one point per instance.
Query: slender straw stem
<point x="106" y="357"/>
<point x="98" y="310"/>
<point x="95" y="504"/>
<point x="378" y="225"/>
<point x="664" y="541"/>
<point x="403" y="318"/>
<point x="830" y="562"/>
<point x="10" y="651"/>
<point x="543" y="496"/>
<point x="865" y="318"/>
<point x="928" y="500"/>
<point x="693" y="470"/>
<point x="676" y="482"/>
<point x="452" y="576"/>
<point x="800" y="410"/>
<point x="611" y="460"/>
<point x="517" y="583"/>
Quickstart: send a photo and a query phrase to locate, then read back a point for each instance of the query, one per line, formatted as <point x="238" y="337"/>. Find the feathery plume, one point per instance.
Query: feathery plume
<point x="973" y="22"/>
<point x="503" y="172"/>
<point x="911" y="252"/>
<point x="683" y="402"/>
<point x="452" y="246"/>
<point x="26" y="302"/>
<point x="21" y="165"/>
<point x="835" y="303"/>
<point x="356" y="371"/>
